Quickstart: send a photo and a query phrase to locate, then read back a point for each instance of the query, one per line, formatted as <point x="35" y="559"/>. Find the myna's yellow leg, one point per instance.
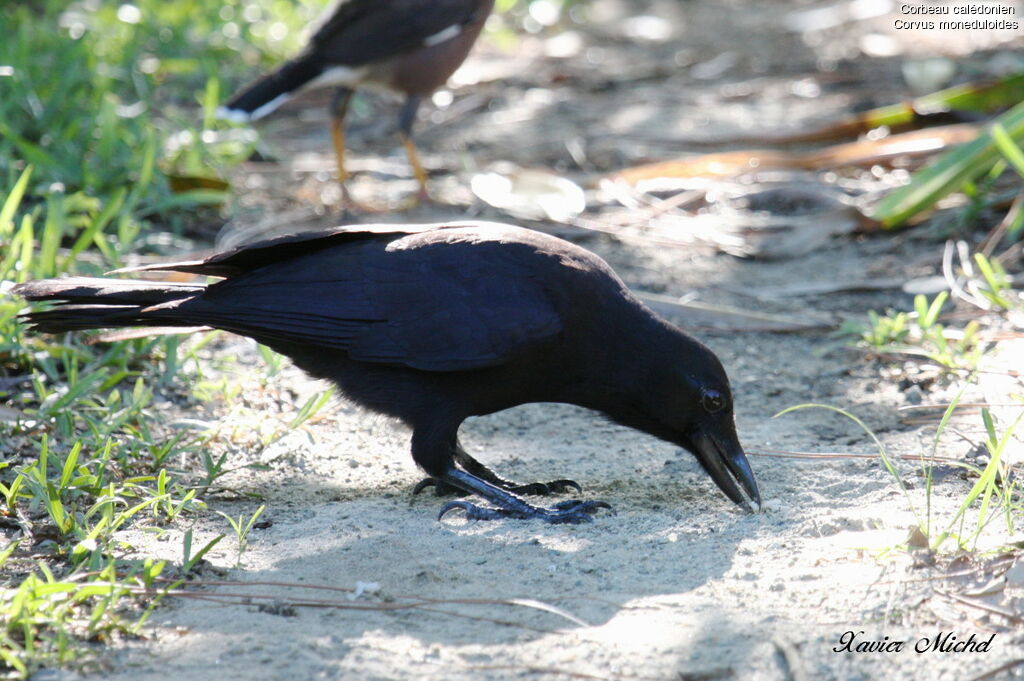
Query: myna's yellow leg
<point x="406" y="118"/>
<point x="339" y="107"/>
<point x="338" y="137"/>
<point x="417" y="167"/>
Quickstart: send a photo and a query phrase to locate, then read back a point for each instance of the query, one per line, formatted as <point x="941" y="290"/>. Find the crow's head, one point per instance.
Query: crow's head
<point x="684" y="398"/>
<point x="709" y="433"/>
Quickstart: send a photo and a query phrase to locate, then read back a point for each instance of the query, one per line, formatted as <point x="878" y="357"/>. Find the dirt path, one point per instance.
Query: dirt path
<point x="677" y="584"/>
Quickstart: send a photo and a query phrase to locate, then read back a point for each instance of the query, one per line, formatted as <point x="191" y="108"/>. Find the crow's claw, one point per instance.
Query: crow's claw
<point x="441" y="488"/>
<point x="534" y="489"/>
<point x="581" y="506"/>
<point x="474" y="512"/>
<point x="570" y="511"/>
<point x="562" y="486"/>
<point x="545" y="489"/>
<point x="538" y="489"/>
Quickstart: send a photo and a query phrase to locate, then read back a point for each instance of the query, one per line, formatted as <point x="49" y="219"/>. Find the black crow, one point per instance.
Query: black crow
<point x="433" y="324"/>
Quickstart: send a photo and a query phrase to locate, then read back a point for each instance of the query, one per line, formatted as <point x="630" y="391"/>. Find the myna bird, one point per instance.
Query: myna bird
<point x="433" y="324"/>
<point x="408" y="46"/>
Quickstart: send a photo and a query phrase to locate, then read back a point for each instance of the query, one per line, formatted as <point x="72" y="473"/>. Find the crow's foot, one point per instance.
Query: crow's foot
<point x="571" y="511"/>
<point x="540" y="489"/>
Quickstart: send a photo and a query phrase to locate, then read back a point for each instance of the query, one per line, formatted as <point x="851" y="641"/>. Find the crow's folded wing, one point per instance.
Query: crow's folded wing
<point x="256" y="254"/>
<point x="436" y="307"/>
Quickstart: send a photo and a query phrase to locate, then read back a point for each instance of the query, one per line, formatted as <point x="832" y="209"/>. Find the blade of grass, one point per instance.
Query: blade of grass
<point x="878" y="443"/>
<point x="947" y="173"/>
<point x="1008" y="148"/>
<point x="943" y="423"/>
<point x="12" y="202"/>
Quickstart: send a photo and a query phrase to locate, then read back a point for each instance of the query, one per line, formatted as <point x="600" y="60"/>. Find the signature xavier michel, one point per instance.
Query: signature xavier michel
<point x="943" y="642"/>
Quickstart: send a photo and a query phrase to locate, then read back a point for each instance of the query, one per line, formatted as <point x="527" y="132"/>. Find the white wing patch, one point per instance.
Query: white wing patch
<point x="234" y="115"/>
<point x="270" y="106"/>
<point x="338" y="75"/>
<point x="442" y="35"/>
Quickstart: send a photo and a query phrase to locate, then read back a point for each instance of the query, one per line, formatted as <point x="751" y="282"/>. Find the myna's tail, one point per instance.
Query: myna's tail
<point x="266" y="94"/>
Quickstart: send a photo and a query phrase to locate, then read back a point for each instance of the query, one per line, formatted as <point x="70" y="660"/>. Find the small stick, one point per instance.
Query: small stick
<point x="794" y="666"/>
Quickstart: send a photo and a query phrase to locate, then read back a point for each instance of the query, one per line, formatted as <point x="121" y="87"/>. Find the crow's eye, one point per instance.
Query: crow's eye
<point x="712" y="401"/>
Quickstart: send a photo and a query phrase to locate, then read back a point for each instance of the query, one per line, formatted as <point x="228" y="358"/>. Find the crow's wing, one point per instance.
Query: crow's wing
<point x="265" y="252"/>
<point x="444" y="300"/>
<point x="358" y="32"/>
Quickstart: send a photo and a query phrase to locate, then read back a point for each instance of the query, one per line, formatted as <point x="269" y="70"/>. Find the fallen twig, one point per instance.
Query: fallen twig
<point x="791" y="658"/>
<point x="783" y="454"/>
<point x="1000" y="230"/>
<point x="399" y="602"/>
<point x="992" y="609"/>
<point x="860" y="153"/>
<point x="999" y="670"/>
<point x="722" y="317"/>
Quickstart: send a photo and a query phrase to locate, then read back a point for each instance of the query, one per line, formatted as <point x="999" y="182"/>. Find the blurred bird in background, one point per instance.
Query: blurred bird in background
<point x="406" y="46"/>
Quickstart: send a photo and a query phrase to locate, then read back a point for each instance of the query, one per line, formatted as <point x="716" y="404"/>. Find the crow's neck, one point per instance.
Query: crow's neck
<point x="626" y="366"/>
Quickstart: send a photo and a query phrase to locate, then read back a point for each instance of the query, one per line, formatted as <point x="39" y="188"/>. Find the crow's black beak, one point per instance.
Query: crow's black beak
<point x="727" y="465"/>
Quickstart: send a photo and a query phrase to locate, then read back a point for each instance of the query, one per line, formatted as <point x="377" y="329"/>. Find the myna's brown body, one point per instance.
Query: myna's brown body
<point x="408" y="46"/>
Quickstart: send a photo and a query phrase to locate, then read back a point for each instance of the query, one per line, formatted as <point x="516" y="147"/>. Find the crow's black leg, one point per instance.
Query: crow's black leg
<point x="474" y="467"/>
<point x="510" y="505"/>
<point x="434" y="447"/>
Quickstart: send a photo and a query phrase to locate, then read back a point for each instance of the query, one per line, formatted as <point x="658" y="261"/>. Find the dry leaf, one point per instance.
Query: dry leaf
<point x="1015" y="575"/>
<point x="917" y="538"/>
<point x="531" y="194"/>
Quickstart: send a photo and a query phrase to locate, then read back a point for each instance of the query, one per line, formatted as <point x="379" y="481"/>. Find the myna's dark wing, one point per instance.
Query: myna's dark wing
<point x="438" y="305"/>
<point x="361" y="32"/>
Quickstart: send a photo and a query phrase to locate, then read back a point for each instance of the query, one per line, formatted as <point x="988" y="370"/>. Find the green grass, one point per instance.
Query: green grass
<point x="106" y="104"/>
<point x="996" y="493"/>
<point x="103" y="111"/>
<point x="47" y="617"/>
<point x="105" y="114"/>
<point x="242" y="527"/>
<point x="958" y="170"/>
<point x="918" y="336"/>
<point x="106" y="125"/>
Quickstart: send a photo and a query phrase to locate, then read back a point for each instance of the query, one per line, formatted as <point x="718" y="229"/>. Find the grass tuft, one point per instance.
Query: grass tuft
<point x="135" y="159"/>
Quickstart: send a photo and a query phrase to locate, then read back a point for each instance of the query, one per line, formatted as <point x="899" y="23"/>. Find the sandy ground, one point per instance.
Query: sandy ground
<point x="677" y="583"/>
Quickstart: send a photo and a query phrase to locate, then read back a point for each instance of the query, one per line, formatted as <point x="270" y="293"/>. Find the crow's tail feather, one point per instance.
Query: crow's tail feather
<point x="90" y="303"/>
